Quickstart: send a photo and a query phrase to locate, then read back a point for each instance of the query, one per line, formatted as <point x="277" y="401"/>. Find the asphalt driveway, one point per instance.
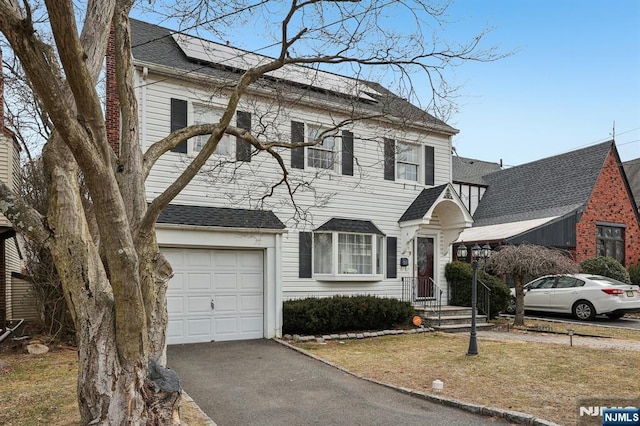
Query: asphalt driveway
<point x="260" y="382"/>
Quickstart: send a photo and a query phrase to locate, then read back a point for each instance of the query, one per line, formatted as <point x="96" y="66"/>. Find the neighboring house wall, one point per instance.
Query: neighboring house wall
<point x="24" y="303"/>
<point x="610" y="207"/>
<point x="9" y="164"/>
<point x="9" y="167"/>
<point x="470" y="195"/>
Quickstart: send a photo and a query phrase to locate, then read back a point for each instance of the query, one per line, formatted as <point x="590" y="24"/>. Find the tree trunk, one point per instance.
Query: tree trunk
<point x="519" y="318"/>
<point x="112" y="389"/>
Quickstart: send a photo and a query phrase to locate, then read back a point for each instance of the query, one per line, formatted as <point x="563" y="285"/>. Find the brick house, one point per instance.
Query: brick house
<point x="580" y="201"/>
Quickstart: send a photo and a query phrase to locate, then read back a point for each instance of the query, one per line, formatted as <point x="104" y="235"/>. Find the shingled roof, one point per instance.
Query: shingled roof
<point x="219" y="217"/>
<point x="632" y="170"/>
<point x="423" y="202"/>
<point x="471" y="171"/>
<point x="350" y="225"/>
<point x="553" y="186"/>
<point x="153" y="45"/>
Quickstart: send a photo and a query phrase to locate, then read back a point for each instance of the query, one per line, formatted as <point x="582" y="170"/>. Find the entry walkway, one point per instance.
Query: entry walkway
<point x="592" y="342"/>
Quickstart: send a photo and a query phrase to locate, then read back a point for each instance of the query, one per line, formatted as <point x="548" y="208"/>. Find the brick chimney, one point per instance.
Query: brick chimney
<point x="112" y="113"/>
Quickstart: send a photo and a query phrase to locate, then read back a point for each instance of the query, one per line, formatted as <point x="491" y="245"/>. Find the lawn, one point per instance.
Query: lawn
<point x="41" y="390"/>
<point x="545" y="380"/>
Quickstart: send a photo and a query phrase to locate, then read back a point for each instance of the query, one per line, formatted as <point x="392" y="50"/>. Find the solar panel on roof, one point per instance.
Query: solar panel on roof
<point x="203" y="50"/>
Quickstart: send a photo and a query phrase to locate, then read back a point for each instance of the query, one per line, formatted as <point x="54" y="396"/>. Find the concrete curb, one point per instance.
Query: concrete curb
<point x="187" y="399"/>
<point x="510" y="416"/>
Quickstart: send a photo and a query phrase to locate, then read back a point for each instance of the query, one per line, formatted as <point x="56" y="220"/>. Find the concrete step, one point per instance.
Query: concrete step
<point x="432" y="320"/>
<point x="444" y="311"/>
<point x="460" y="328"/>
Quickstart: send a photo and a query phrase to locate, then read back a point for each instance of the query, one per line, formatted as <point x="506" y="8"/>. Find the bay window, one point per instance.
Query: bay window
<point x="348" y="255"/>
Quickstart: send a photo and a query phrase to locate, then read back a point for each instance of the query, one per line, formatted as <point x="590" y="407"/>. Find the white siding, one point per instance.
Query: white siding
<point x="363" y="196"/>
<point x="24" y="303"/>
<point x="9" y="163"/>
<point x="13" y="264"/>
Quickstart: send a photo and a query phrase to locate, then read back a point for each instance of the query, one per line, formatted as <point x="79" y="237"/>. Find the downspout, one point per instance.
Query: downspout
<point x="8" y="331"/>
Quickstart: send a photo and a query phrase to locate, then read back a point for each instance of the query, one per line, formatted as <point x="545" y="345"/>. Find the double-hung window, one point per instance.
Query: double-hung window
<point x="322" y="154"/>
<point x="407" y="161"/>
<point x="203" y="114"/>
<point x="610" y="241"/>
<point x="348" y="255"/>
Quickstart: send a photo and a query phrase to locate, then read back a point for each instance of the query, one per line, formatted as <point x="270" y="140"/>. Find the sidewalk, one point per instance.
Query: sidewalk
<point x="592" y="342"/>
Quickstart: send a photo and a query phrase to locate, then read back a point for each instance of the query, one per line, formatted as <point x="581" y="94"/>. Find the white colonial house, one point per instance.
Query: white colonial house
<point x="372" y="209"/>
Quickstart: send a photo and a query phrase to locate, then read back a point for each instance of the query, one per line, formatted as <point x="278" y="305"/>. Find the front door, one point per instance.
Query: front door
<point x="424" y="260"/>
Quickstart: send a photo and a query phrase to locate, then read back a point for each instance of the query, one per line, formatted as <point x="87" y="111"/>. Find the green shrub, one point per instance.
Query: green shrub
<point x="459" y="276"/>
<point x="607" y="266"/>
<point x="343" y="313"/>
<point x="634" y="274"/>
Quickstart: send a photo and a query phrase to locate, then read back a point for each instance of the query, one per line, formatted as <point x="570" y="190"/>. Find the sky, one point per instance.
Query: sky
<point x="572" y="78"/>
<point x="575" y="72"/>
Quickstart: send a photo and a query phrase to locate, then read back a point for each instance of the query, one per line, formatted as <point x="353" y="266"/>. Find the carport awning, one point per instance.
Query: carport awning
<point x="502" y="231"/>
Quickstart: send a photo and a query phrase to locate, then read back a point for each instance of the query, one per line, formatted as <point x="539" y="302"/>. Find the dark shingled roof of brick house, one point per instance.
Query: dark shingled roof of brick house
<point x="152" y="44"/>
<point x="471" y="171"/>
<point x="220" y="217"/>
<point x="350" y="225"/>
<point x="553" y="186"/>
<point x="632" y="170"/>
<point x="422" y="203"/>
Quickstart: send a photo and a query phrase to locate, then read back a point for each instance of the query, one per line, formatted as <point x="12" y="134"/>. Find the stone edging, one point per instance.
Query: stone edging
<point x="510" y="416"/>
<point x="346" y="336"/>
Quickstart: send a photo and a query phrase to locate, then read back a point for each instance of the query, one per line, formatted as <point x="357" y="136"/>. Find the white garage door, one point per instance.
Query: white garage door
<point x="215" y="295"/>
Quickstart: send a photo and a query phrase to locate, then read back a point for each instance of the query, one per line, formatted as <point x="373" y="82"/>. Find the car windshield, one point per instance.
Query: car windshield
<point x="607" y="281"/>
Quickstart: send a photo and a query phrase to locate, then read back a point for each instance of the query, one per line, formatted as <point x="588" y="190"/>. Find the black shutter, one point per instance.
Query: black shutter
<point x="429" y="166"/>
<point x="347" y="153"/>
<point x="243" y="148"/>
<point x="392" y="257"/>
<point x="179" y="121"/>
<point x="389" y="159"/>
<point x="304" y="255"/>
<point x="297" y="136"/>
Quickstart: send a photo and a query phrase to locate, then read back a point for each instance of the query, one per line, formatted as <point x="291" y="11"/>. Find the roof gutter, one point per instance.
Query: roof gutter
<point x="180" y="227"/>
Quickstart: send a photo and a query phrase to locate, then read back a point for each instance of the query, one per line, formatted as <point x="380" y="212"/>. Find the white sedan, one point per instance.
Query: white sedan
<point x="583" y="295"/>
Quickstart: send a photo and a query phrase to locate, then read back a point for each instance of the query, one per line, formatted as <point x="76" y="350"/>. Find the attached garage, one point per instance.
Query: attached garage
<point x="215" y="295"/>
<point x="226" y="265"/>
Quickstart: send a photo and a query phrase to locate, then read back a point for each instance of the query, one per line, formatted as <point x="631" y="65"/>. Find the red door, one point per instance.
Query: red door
<point x="425" y="267"/>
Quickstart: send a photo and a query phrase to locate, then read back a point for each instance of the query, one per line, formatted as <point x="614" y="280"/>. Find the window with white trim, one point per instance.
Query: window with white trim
<point x="407" y="161"/>
<point x="203" y="114"/>
<point x="321" y="155"/>
<point x="348" y="254"/>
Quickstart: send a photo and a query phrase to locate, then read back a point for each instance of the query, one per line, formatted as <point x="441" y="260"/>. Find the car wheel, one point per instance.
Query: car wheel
<point x="584" y="310"/>
<point x="615" y="316"/>
<point x="511" y="309"/>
